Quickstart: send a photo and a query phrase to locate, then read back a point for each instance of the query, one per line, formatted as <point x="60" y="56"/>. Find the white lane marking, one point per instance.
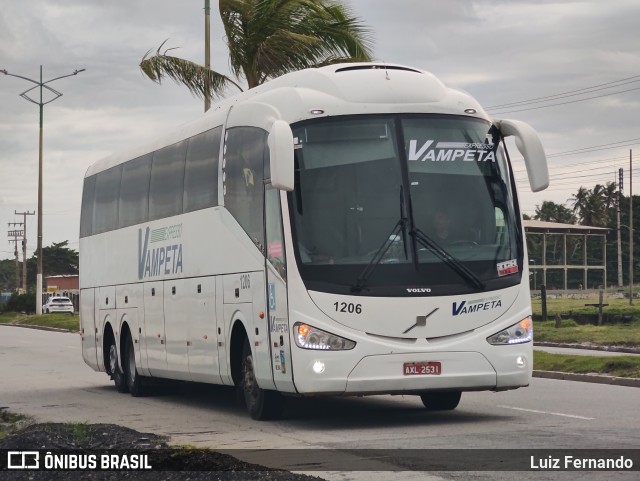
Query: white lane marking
<point x="546" y="412"/>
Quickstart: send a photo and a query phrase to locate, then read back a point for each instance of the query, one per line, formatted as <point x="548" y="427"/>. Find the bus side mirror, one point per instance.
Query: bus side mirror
<point x="530" y="147"/>
<point x="281" y="155"/>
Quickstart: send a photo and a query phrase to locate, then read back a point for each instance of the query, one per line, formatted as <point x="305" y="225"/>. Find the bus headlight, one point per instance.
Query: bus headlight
<point x="517" y="334"/>
<point x="309" y="337"/>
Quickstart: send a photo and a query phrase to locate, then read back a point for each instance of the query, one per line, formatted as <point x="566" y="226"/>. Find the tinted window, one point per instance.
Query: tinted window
<point x="245" y="154"/>
<point x="105" y="212"/>
<point x="134" y="192"/>
<point x="86" y="213"/>
<point x="275" y="238"/>
<point x="167" y="181"/>
<point x="201" y="174"/>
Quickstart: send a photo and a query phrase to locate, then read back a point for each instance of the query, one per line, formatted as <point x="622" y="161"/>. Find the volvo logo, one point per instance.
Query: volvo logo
<point x="421" y="321"/>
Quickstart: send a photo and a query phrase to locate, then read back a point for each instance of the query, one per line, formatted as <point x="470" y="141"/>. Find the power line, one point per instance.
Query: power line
<point x="586" y="162"/>
<point x="565" y="183"/>
<point x="594" y="148"/>
<point x="565" y="103"/>
<point x="581" y="170"/>
<point x="568" y="93"/>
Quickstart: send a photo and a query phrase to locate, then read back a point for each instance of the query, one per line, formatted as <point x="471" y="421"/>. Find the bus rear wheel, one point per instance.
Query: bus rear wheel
<point x="135" y="382"/>
<point x="262" y="404"/>
<point x="115" y="372"/>
<point x="441" y="401"/>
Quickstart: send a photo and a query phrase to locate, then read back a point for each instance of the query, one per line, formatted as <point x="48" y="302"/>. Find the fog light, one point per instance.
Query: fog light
<point x="318" y="367"/>
<point x="521" y="361"/>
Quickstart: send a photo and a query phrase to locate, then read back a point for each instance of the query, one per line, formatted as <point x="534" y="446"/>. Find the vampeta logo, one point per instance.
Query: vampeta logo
<point x="486" y="304"/>
<point x="451" y="151"/>
<point x="165" y="257"/>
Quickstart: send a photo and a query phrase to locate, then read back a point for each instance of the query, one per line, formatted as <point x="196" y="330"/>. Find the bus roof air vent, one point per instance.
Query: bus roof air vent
<point x="376" y="67"/>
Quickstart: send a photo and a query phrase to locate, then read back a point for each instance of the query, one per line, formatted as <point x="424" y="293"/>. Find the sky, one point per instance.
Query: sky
<point x="571" y="69"/>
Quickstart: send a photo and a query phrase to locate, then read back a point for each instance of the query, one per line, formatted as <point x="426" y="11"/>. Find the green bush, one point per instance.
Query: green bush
<point x="22" y="302"/>
<point x="568" y="323"/>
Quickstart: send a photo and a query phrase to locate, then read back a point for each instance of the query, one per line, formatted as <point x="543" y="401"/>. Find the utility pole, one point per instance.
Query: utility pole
<point x="41" y="103"/>
<point x="24" y="247"/>
<point x="630" y="227"/>
<point x="620" y="187"/>
<point x="15" y="233"/>
<point x="207" y="51"/>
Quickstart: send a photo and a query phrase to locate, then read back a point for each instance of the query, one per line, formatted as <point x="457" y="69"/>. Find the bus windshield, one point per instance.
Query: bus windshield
<point x="398" y="205"/>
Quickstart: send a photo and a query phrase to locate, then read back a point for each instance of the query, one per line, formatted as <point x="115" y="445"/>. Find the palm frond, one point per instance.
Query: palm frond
<point x="200" y="81"/>
<point x="268" y="38"/>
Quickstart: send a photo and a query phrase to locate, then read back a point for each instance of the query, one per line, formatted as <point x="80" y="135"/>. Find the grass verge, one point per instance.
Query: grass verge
<point x="605" y="335"/>
<point x="10" y="422"/>
<point x="619" y="366"/>
<point x="70" y="322"/>
<point x="565" y="306"/>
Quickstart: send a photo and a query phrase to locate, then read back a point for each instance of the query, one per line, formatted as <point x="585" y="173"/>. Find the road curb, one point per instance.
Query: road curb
<point x="39" y="328"/>
<point x="589" y="347"/>
<point x="595" y="378"/>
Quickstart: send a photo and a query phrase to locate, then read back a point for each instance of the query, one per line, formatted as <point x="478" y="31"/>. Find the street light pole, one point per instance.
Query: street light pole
<point x="41" y="103"/>
<point x="630" y="227"/>
<point x="207" y="51"/>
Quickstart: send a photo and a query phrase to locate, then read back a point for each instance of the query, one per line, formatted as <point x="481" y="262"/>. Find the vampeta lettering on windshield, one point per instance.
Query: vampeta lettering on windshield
<point x="452" y="151"/>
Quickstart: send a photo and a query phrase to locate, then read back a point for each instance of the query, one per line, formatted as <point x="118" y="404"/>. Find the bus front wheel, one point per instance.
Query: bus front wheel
<point x="441" y="401"/>
<point x="261" y="403"/>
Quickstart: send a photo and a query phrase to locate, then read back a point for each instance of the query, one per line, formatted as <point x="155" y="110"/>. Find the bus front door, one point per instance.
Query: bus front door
<point x="277" y="305"/>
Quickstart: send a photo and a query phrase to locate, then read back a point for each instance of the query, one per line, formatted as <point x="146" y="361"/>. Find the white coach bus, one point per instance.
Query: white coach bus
<point x="347" y="230"/>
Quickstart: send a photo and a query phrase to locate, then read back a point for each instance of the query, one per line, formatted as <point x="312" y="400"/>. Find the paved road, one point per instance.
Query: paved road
<point x="42" y="374"/>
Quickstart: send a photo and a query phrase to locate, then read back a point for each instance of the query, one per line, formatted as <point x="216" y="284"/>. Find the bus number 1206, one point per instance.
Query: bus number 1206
<point x="349" y="307"/>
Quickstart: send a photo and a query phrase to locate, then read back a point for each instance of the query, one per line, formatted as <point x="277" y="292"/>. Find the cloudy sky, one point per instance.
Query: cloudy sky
<point x="569" y="68"/>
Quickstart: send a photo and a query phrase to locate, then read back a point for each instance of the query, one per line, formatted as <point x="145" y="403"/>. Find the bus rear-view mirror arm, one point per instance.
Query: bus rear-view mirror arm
<point x="529" y="145"/>
<point x="281" y="155"/>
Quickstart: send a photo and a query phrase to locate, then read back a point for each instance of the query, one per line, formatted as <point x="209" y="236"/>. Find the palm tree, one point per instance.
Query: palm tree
<point x="266" y="39"/>
<point x="551" y="212"/>
<point x="589" y="205"/>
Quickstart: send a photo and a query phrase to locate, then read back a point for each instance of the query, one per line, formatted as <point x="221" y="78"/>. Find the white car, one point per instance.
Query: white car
<point x="58" y="304"/>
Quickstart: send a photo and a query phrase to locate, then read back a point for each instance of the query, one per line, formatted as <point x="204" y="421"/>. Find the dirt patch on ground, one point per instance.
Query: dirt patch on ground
<point x="174" y="464"/>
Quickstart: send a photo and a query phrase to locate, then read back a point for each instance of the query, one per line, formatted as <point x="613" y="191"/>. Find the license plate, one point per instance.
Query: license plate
<point x="433" y="368"/>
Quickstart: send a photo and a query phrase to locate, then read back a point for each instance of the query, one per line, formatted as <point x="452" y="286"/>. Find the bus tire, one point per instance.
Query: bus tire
<point x="115" y="372"/>
<point x="135" y="382"/>
<point x="262" y="404"/>
<point x="441" y="401"/>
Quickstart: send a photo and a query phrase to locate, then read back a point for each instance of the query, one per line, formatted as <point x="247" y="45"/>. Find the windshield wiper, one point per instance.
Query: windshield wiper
<point x="447" y="258"/>
<point x="400" y="227"/>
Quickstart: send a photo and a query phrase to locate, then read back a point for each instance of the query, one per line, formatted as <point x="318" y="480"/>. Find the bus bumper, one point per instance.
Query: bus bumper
<point x="380" y="374"/>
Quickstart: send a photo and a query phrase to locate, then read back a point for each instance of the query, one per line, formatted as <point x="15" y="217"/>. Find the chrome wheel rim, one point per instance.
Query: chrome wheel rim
<point x="113" y="359"/>
<point x="251" y="389"/>
<point x="132" y="364"/>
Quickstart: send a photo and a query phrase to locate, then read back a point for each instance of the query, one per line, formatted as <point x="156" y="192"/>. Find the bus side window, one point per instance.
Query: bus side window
<point x="245" y="153"/>
<point x="88" y="199"/>
<point x="134" y="192"/>
<point x="105" y="211"/>
<point x="167" y="181"/>
<point x="201" y="173"/>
